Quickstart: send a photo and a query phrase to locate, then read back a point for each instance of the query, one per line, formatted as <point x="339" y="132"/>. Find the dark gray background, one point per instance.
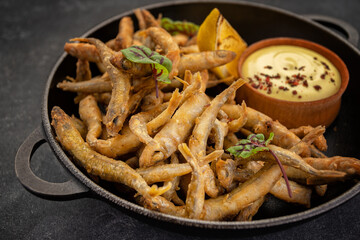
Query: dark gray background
<point x="32" y="36"/>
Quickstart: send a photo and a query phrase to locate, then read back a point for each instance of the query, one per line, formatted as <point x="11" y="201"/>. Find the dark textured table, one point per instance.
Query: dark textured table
<point x="32" y="36"/>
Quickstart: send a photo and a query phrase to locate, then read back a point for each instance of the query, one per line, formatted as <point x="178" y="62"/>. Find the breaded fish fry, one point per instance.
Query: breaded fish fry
<point x="138" y="122"/>
<point x="258" y="122"/>
<point x="136" y="98"/>
<point x="195" y="85"/>
<point x="290" y="158"/>
<point x="316" y="152"/>
<point x="175" y="131"/>
<point x="225" y="171"/>
<point x="118" y="108"/>
<point x="189" y="49"/>
<point x="91" y="115"/>
<point x="219" y="131"/>
<point x="247" y="213"/>
<point x="140" y="18"/>
<point x="237" y="115"/>
<point x="103" y="98"/>
<point x="83" y="51"/>
<point x="204" y="124"/>
<point x="320" y="189"/>
<point x="196" y="190"/>
<point x="305" y="178"/>
<point x="200" y="134"/>
<point x="167" y="172"/>
<point x="95" y="163"/>
<point x="151" y="100"/>
<point x="80" y="126"/>
<point x="172" y="51"/>
<point x="163" y="205"/>
<point x="319" y="142"/>
<point x="309" y="138"/>
<point x="123" y="143"/>
<point x="97" y="84"/>
<point x="204" y="60"/>
<point x="164" y="172"/>
<point x="300" y="194"/>
<point x="230" y="140"/>
<point x="124" y="36"/>
<point x="180" y="39"/>
<point x="150" y="20"/>
<point x="230" y="204"/>
<point x="154" y="125"/>
<point x="83" y="71"/>
<point x="348" y="165"/>
<point x="146" y="124"/>
<point x="171" y="194"/>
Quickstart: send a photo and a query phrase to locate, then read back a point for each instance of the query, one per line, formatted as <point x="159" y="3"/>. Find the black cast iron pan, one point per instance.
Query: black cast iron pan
<point x="254" y="22"/>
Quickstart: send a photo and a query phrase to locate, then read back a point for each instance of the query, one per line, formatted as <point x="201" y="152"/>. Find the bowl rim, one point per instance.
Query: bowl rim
<point x="336" y="60"/>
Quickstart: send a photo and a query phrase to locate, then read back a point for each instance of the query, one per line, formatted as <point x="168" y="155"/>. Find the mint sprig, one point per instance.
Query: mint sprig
<point x="252" y="145"/>
<point x="174" y="27"/>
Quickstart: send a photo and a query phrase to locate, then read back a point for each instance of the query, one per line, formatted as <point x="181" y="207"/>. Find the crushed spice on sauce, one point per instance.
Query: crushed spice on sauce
<point x="306" y="73"/>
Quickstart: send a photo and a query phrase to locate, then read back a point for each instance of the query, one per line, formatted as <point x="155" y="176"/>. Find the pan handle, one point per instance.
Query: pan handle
<point x="66" y="190"/>
<point x="351" y="34"/>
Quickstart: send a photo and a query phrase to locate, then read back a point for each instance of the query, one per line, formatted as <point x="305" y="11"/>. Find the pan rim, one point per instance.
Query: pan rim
<point x="262" y="223"/>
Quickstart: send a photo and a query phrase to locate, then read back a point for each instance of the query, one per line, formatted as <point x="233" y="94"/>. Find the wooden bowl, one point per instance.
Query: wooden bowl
<point x="290" y="113"/>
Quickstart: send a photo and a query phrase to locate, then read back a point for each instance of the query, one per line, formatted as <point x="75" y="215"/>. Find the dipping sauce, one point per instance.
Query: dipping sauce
<point x="291" y="73"/>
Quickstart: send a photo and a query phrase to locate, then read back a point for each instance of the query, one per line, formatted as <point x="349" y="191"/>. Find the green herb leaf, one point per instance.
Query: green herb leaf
<point x="160" y="64"/>
<point x="271" y="137"/>
<point x="250" y="146"/>
<point x="175" y="27"/>
<point x="254" y="144"/>
<point x="234" y="150"/>
<point x="260" y="137"/>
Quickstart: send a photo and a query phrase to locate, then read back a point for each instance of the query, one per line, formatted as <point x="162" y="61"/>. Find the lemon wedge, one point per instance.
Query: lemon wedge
<point x="216" y="33"/>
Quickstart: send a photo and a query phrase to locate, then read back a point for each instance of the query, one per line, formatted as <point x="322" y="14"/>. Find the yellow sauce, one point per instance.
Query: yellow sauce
<point x="291" y="73"/>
